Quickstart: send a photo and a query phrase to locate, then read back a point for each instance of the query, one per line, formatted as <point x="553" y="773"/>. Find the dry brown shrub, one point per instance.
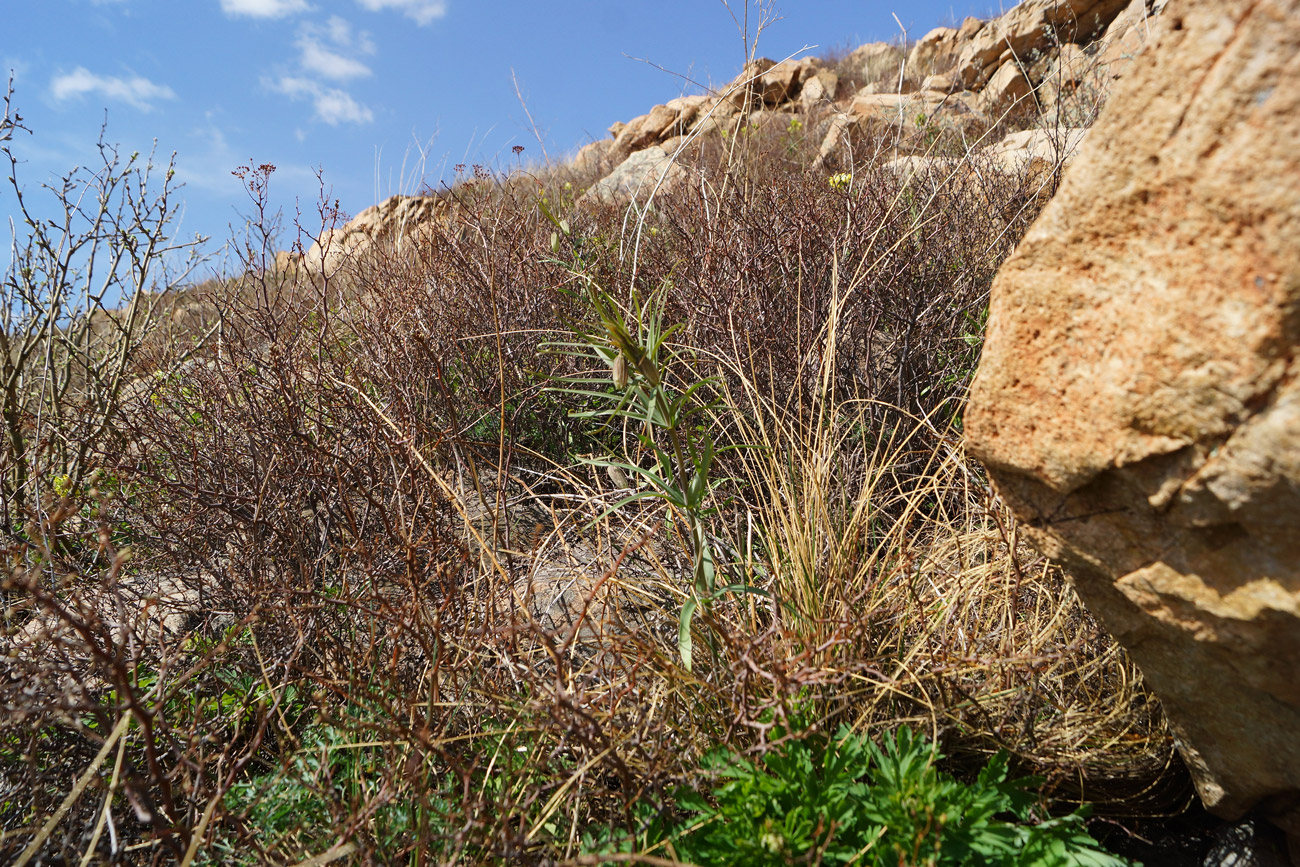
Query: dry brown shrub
<point x="375" y="610"/>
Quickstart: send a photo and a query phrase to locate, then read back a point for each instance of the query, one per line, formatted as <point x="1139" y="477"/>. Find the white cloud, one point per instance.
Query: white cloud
<point x="328" y="53"/>
<point x="336" y="106"/>
<point x="208" y="163"/>
<point x="264" y="8"/>
<point x="331" y="61"/>
<point x="214" y="148"/>
<point x="333" y="106"/>
<point x="422" y="12"/>
<point x="327" y="64"/>
<point x="136" y="91"/>
<point x="340" y="33"/>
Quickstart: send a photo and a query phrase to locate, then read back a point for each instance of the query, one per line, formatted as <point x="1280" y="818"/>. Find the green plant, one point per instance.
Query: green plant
<point x="846" y="800"/>
<point x="294" y="810"/>
<point x="374" y="613"/>
<point x="639" y="359"/>
<point x="794" y="137"/>
<point x="633" y="346"/>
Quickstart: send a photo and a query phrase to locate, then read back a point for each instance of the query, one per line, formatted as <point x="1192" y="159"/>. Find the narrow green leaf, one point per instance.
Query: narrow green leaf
<point x="684" y="631"/>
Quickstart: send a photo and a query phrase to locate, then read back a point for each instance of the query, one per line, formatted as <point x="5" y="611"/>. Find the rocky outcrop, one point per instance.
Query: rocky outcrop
<point x="287" y="260"/>
<point x="934" y="53"/>
<point x="394" y="219"/>
<point x="1127" y="35"/>
<point x="1037" y="54"/>
<point x="877" y="61"/>
<point x="820" y="88"/>
<point x="674" y="118"/>
<point x="1008" y="85"/>
<point x="1138" y="401"/>
<point x="1008" y="58"/>
<point x="596" y="158"/>
<point x="908" y="108"/>
<point x="953" y="78"/>
<point x="637" y="176"/>
<point x="881" y="118"/>
<point x="1029" y="29"/>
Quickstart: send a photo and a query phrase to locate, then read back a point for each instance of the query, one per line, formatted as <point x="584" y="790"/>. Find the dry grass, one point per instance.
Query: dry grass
<point x="373" y="609"/>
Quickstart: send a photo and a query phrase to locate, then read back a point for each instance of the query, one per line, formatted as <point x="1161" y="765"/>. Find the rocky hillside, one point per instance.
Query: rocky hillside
<point x="632" y="507"/>
<point x="1044" y="68"/>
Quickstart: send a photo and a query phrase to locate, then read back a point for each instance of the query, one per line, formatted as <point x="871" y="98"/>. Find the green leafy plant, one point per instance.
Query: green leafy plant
<point x="846" y="800"/>
<point x="633" y="346"/>
<point x="294" y="810"/>
<point x="636" y="352"/>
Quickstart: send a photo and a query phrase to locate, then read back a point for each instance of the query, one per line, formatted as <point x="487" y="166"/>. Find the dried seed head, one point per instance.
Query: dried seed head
<point x="620" y="371"/>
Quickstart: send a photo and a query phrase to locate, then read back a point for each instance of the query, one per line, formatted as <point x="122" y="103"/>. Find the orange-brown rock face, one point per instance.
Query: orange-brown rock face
<point x="1138" y="403"/>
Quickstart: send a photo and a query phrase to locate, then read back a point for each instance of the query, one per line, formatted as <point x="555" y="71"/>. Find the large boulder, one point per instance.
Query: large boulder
<point x="1138" y="401"/>
<point x="661" y="123"/>
<point x="1005" y="90"/>
<point x="782" y="82"/>
<point x="819" y="89"/>
<point x="1071" y="78"/>
<point x="637" y="177"/>
<point x="871" y="121"/>
<point x="747" y="90"/>
<point x="1036" y="151"/>
<point x="877" y="61"/>
<point x="907" y="108"/>
<point x="596" y="158"/>
<point x="935" y="52"/>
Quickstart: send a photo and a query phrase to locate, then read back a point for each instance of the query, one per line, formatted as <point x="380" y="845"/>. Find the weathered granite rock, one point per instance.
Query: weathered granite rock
<point x="1034" y="25"/>
<point x="648" y="129"/>
<point x="1138" y="401"/>
<point x="878" y="61"/>
<point x="935" y="52"/>
<point x="1008" y="86"/>
<point x="970" y="26"/>
<point x="636" y="176"/>
<point x="1036" y="150"/>
<point x="878" y="112"/>
<point x="1072" y="82"/>
<point x="393" y="220"/>
<point x="596" y="157"/>
<point x="1029" y="152"/>
<point x="938" y="83"/>
<point x="1127" y="35"/>
<point x="782" y="82"/>
<point x="907" y="107"/>
<point x="286" y="261"/>
<point x="747" y="89"/>
<point x="1070" y="66"/>
<point x="819" y="89"/>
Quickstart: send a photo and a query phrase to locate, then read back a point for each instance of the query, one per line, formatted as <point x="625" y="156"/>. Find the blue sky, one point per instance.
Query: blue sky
<point x="378" y="95"/>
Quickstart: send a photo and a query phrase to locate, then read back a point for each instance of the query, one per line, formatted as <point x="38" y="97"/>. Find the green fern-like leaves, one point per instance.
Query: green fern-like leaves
<point x="846" y="800"/>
